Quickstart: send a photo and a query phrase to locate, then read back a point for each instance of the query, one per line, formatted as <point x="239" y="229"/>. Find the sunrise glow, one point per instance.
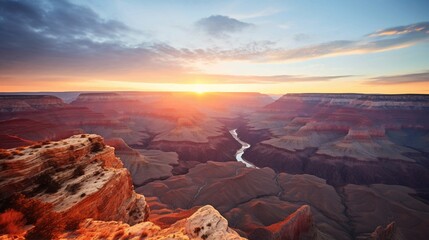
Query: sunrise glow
<point x="214" y="119"/>
<point x="223" y="47"/>
<point x="199" y="88"/>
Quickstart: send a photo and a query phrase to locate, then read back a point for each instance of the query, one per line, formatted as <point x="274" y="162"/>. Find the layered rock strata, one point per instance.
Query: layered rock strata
<point x="80" y="177"/>
<point x="80" y="180"/>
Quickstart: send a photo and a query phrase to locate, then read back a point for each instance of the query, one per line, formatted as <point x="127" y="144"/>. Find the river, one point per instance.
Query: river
<point x="240" y="152"/>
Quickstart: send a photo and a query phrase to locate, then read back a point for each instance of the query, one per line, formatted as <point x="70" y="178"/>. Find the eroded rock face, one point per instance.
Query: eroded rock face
<point x="343" y="138"/>
<point x="206" y="223"/>
<point x="262" y="204"/>
<point x="26" y="103"/>
<point x="193" y="126"/>
<point x="388" y="203"/>
<point x="390" y="232"/>
<point x="144" y="165"/>
<point x="80" y="177"/>
<point x="298" y="225"/>
<point x="363" y="101"/>
<point x="84" y="182"/>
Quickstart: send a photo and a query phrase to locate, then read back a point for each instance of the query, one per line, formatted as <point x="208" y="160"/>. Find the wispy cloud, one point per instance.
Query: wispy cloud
<point x="375" y="42"/>
<point x="62" y="38"/>
<point x="220" y="26"/>
<point x="175" y="77"/>
<point x="255" y="79"/>
<point x="267" y="51"/>
<point x="261" y="13"/>
<point x="400" y="30"/>
<point x="401" y="79"/>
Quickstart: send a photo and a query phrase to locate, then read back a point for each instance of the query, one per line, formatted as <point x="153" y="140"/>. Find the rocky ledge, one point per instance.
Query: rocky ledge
<point x="78" y="188"/>
<point x="206" y="223"/>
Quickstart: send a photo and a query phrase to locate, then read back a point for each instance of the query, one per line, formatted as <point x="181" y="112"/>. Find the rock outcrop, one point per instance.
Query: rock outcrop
<point x="80" y="176"/>
<point x="298" y="225"/>
<point x="206" y="223"/>
<point x="78" y="183"/>
<point x="390" y="232"/>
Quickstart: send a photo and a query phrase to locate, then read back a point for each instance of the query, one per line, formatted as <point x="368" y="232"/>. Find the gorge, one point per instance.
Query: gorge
<point x="306" y="162"/>
<point x="214" y="120"/>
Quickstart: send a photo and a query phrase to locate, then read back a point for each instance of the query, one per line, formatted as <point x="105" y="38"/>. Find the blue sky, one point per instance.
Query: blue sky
<point x="338" y="43"/>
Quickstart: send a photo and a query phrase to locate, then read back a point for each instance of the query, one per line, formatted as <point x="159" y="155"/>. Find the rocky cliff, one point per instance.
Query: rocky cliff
<point x="79" y="176"/>
<point x="22" y="103"/>
<point x="262" y="204"/>
<point x="78" y="188"/>
<point x="343" y="138"/>
<point x="364" y="101"/>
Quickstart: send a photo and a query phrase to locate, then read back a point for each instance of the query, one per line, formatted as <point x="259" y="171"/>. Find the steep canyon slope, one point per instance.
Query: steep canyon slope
<point x="332" y="166"/>
<point x="189" y="124"/>
<point x="259" y="203"/>
<point x="344" y="138"/>
<point x="77" y="188"/>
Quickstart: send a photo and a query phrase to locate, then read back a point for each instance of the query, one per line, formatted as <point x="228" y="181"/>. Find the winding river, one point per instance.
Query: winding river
<point x="240" y="152"/>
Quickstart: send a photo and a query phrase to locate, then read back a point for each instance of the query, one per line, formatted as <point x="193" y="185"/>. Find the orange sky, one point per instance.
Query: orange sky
<point x="220" y="48"/>
<point x="332" y="86"/>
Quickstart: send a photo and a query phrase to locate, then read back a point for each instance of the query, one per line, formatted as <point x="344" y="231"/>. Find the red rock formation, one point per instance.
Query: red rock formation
<point x="261" y="204"/>
<point x="298" y="225"/>
<point x="205" y="223"/>
<point x="390" y="232"/>
<point x="79" y="179"/>
<point x="100" y="189"/>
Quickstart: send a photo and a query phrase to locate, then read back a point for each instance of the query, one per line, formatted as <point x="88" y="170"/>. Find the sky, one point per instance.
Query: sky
<point x="271" y="46"/>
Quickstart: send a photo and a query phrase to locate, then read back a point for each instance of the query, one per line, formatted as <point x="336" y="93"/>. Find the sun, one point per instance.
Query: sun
<point x="199" y="89"/>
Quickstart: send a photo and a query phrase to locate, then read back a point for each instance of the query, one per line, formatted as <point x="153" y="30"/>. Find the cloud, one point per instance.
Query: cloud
<point x="261" y="13"/>
<point x="269" y="52"/>
<point x="383" y="40"/>
<point x="59" y="20"/>
<point x="255" y="79"/>
<point x="400" y="30"/>
<point x="301" y="37"/>
<point x="218" y="25"/>
<point x="174" y="77"/>
<point x="59" y="38"/>
<point x="63" y="38"/>
<point x="401" y="79"/>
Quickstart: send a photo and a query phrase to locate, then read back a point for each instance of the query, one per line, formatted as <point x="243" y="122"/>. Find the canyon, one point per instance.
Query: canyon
<point x="78" y="183"/>
<point x="344" y="138"/>
<point x="318" y="166"/>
